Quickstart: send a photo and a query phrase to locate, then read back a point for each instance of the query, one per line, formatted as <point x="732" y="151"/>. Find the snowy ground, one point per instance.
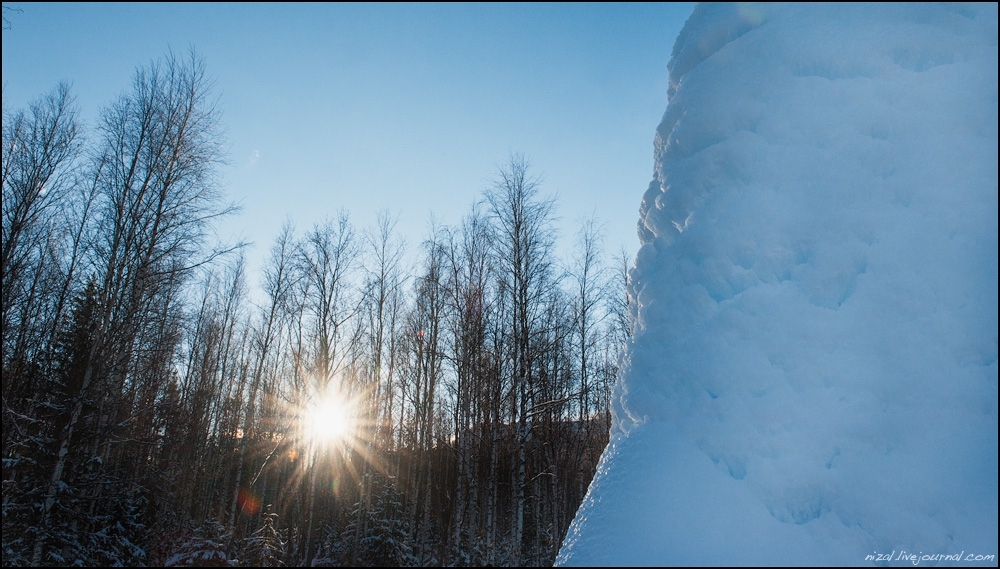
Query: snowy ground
<point x="813" y="378"/>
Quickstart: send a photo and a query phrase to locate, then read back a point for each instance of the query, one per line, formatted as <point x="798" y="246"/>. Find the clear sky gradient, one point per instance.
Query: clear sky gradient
<point x="409" y="108"/>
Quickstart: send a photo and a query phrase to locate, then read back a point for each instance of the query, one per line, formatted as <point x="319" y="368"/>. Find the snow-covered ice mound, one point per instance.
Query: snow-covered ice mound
<point x="813" y="375"/>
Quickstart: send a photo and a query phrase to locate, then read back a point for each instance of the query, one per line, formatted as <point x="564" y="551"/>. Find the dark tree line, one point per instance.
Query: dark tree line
<point x="156" y="410"/>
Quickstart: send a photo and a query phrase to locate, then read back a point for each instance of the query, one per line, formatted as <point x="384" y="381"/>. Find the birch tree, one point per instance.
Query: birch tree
<point x="524" y="238"/>
<point x="155" y="172"/>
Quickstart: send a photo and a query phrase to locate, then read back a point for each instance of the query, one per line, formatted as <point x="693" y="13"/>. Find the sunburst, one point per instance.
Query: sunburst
<point x="329" y="442"/>
<point x="329" y="419"/>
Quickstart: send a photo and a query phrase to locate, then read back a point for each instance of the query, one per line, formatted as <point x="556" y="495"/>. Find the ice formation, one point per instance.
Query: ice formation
<point x="813" y="374"/>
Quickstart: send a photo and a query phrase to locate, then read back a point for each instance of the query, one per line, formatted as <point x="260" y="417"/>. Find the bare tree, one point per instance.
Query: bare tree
<point x="523" y="248"/>
<point x="327" y="265"/>
<point x="155" y="173"/>
<point x="40" y="148"/>
<point x="328" y="256"/>
<point x="8" y="10"/>
<point x="384" y="279"/>
<point x="422" y="341"/>
<point x="589" y="283"/>
<point x="381" y="317"/>
<point x="467" y="285"/>
<point x="279" y="278"/>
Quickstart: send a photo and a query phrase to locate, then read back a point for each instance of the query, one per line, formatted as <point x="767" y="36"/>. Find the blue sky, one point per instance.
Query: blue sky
<point x="408" y="108"/>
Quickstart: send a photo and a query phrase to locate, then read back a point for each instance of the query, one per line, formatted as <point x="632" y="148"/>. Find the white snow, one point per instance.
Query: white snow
<point x="813" y="376"/>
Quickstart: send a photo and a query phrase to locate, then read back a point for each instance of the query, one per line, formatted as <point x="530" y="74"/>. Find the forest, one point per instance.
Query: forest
<point x="371" y="403"/>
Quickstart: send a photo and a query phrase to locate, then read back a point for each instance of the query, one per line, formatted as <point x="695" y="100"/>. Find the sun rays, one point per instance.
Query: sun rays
<point x="328" y="420"/>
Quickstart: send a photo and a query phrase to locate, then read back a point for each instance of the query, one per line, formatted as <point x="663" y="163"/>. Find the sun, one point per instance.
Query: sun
<point x="328" y="420"/>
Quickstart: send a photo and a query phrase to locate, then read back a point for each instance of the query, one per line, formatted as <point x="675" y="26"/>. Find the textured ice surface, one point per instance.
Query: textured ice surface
<point x="813" y="376"/>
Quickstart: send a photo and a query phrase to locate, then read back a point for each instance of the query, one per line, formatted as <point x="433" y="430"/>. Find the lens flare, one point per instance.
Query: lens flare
<point x="248" y="501"/>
